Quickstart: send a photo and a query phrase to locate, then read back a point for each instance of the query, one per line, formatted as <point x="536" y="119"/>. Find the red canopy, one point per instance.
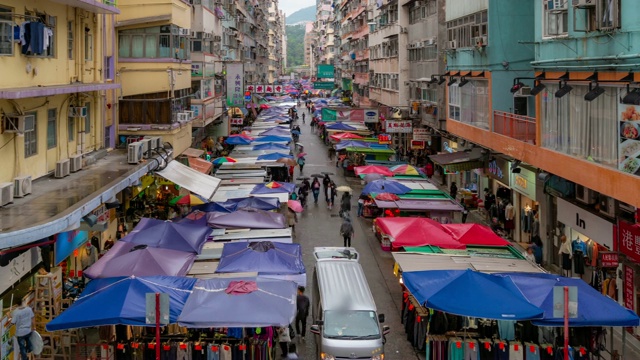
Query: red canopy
<point x="373" y="169"/>
<point x="474" y="234"/>
<point x="345" y="135"/>
<point x="409" y="231"/>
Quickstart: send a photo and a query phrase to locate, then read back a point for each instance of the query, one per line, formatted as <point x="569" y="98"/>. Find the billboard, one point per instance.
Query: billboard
<point x="235" y="87"/>
<point x="325" y="71"/>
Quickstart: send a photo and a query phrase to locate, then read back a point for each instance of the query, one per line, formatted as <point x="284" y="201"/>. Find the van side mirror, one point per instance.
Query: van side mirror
<point x="380" y="318"/>
<point x="315" y="329"/>
<point x="386" y="330"/>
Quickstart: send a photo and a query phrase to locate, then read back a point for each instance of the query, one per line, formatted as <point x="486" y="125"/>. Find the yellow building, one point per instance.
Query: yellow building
<point x="58" y="84"/>
<point x="154" y="69"/>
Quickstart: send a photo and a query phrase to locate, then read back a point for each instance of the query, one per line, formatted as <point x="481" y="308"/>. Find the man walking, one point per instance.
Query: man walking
<point x="22" y="317"/>
<point x="346" y="230"/>
<point x="302" y="306"/>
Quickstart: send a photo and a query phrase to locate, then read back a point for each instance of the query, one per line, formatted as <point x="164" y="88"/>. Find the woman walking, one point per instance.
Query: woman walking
<point x="325" y="183"/>
<point x="315" y="189"/>
<point x="332" y="194"/>
<point x="346" y="230"/>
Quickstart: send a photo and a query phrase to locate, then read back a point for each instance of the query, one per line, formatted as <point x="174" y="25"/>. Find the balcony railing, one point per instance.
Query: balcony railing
<point x="515" y="126"/>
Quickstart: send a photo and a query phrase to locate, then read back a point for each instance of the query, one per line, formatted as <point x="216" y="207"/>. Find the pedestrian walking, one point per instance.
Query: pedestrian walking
<point x="22" y="317"/>
<point x="302" y="312"/>
<point x="361" y="200"/>
<point x="315" y="189"/>
<point x="291" y="169"/>
<point x="346" y="231"/>
<point x="325" y="183"/>
<point x="332" y="194"/>
<point x="301" y="162"/>
<point x="465" y="213"/>
<point x="284" y="338"/>
<point x="293" y="354"/>
<point x="453" y="190"/>
<point x="292" y="219"/>
<point x="345" y="204"/>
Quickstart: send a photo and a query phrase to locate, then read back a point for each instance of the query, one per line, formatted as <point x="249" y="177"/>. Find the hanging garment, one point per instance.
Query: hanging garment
<point x="213" y="352"/>
<point x="501" y="350"/>
<point x="506" y="329"/>
<point x="225" y="352"/>
<point x="516" y="352"/>
<point x="560" y="353"/>
<point x="578" y="262"/>
<point x="456" y="349"/>
<point x="547" y="352"/>
<point x="471" y="350"/>
<point x="486" y="350"/>
<point x="531" y="351"/>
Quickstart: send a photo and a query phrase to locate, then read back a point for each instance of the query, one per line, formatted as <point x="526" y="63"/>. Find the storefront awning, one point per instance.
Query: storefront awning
<point x="201" y="165"/>
<point x="191" y="179"/>
<point x="459" y="161"/>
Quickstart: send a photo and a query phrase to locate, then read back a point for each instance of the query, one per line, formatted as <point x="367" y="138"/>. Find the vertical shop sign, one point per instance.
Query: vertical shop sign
<point x="628" y="287"/>
<point x="235" y="86"/>
<point x="629" y="240"/>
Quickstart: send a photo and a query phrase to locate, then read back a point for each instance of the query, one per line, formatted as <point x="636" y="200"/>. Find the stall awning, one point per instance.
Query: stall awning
<point x="419" y="262"/>
<point x="191" y="152"/>
<point x="201" y="165"/>
<point x="459" y="161"/>
<point x="191" y="179"/>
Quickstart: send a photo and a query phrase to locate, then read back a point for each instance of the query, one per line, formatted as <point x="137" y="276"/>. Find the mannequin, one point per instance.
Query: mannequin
<point x="566" y="253"/>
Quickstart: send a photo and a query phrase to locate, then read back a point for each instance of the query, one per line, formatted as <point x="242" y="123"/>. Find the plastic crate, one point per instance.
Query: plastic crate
<point x="385" y="243"/>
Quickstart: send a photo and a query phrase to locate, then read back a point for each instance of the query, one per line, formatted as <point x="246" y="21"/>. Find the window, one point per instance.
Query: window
<point x="465" y="30"/>
<point x="49" y="22"/>
<point x="556" y="17"/>
<point x="71" y="128"/>
<point x="88" y="46"/>
<point x="469" y="104"/>
<point x="583" y="129"/>
<point x="70" y="40"/>
<point x="608" y="14"/>
<point x="31" y="138"/>
<point x="6" y="31"/>
<point x="153" y="42"/>
<point x="52" y="136"/>
<point x="87" y="120"/>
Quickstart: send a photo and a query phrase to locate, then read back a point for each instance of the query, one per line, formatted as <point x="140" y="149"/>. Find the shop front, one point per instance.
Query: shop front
<point x="527" y="224"/>
<point x="498" y="173"/>
<point x="629" y="250"/>
<point x="457" y="165"/>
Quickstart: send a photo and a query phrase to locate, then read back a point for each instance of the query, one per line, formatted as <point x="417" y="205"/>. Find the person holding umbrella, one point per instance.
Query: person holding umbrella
<point x="346" y="230"/>
<point x="326" y="181"/>
<point x="292" y="219"/>
<point x="315" y="189"/>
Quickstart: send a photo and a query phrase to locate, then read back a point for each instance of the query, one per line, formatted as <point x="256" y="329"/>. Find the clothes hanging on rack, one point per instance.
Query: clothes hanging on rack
<point x="516" y="352"/>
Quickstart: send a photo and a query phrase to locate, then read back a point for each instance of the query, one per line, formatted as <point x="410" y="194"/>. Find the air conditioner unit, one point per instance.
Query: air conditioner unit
<point x="185" y="32"/>
<point x="194" y="34"/>
<point x="18" y="123"/>
<point x="585" y="195"/>
<point x="78" y="111"/>
<point x="134" y="156"/>
<point x="146" y="143"/>
<point x="419" y="44"/>
<point x="403" y="30"/>
<point x="429" y="42"/>
<point x="190" y="114"/>
<point x="6" y="193"/>
<point x="62" y="169"/>
<point x="583" y="3"/>
<point x="453" y="44"/>
<point x="524" y="91"/>
<point x="22" y="186"/>
<point x="607" y="206"/>
<point x="155" y="142"/>
<point x="207" y="35"/>
<point x="75" y="163"/>
<point x="217" y="38"/>
<point x="182" y="117"/>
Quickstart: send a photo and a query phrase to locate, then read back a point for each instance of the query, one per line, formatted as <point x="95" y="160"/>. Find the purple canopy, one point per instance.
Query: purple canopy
<point x="340" y="126"/>
<point x="276" y="131"/>
<point x="263" y="257"/>
<point x="126" y="259"/>
<point x="274" y="187"/>
<point x="189" y="237"/>
<point x="246" y="218"/>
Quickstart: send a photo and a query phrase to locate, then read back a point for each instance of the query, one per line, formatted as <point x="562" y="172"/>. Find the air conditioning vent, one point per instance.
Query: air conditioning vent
<point x="154" y="142"/>
<point x="607" y="206"/>
<point x="18" y="123"/>
<point x="75" y="163"/>
<point x="146" y="147"/>
<point x="6" y="193"/>
<point x="22" y="186"/>
<point x="583" y="3"/>
<point x="585" y="195"/>
<point x="217" y="38"/>
<point x="524" y="91"/>
<point x="453" y="44"/>
<point x="62" y="169"/>
<point x="78" y="111"/>
<point x="184" y="32"/>
<point x="134" y="155"/>
<point x="182" y="117"/>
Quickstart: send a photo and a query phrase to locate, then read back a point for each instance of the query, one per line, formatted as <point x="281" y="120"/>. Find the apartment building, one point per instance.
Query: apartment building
<point x="354" y="37"/>
<point x="324" y="47"/>
<point x="309" y="42"/>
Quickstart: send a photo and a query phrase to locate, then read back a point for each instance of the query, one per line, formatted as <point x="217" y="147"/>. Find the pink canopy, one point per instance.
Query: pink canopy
<point x="345" y="136"/>
<point x="474" y="234"/>
<point x="409" y="231"/>
<point x="373" y="169"/>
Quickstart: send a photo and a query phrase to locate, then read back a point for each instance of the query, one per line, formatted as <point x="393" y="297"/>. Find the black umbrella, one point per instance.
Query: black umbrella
<point x="327" y="173"/>
<point x="317" y="175"/>
<point x="303" y="178"/>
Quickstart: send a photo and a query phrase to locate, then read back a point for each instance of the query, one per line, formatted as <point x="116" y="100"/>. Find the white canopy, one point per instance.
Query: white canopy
<point x="191" y="179"/>
<point x="409" y="262"/>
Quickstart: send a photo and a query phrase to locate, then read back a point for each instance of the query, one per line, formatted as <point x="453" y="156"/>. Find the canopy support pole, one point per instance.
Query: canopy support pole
<point x="157" y="326"/>
<point x="624" y="342"/>
<point x="566" y="323"/>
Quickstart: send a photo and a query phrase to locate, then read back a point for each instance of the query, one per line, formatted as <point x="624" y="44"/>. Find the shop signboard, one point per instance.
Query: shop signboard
<point x="335" y="114"/>
<point x="235" y="80"/>
<point x="101" y="213"/>
<point x="608" y="259"/>
<point x="629" y="240"/>
<point x="417" y="145"/>
<point x="586" y="223"/>
<point x="209" y="69"/>
<point x="399" y="126"/>
<point x="197" y="111"/>
<point x="421" y="134"/>
<point x="629" y="276"/>
<point x="370" y="116"/>
<point x="325" y="71"/>
<point x="250" y="88"/>
<point x="67" y="242"/>
<point x="236" y="121"/>
<point x="558" y="302"/>
<point x="206" y="89"/>
<point x="197" y="69"/>
<point x="384" y="139"/>
<point x="499" y="169"/>
<point x="629" y="138"/>
<point x="524" y="183"/>
<point x="323" y="85"/>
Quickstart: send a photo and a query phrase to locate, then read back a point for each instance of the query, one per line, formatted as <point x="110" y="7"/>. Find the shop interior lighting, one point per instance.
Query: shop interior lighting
<point x="564" y="89"/>
<point x="452" y="81"/>
<point x="442" y="80"/>
<point x="537" y="88"/>
<point x="463" y="81"/>
<point x="593" y="92"/>
<point x="632" y="97"/>
<point x="517" y="86"/>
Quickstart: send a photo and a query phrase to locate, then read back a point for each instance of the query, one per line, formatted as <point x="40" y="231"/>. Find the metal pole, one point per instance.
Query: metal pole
<point x="157" y="326"/>
<point x="624" y="342"/>
<point x="566" y="323"/>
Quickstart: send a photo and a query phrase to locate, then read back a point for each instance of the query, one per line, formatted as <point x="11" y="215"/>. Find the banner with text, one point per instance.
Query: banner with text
<point x="350" y="114"/>
<point x="397" y="126"/>
<point x="325" y="71"/>
<point x="235" y="79"/>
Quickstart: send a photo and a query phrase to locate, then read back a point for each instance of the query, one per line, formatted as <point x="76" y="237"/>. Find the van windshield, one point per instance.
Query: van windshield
<point x="351" y="324"/>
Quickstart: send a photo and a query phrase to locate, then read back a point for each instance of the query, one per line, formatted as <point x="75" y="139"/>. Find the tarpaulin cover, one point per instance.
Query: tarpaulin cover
<point x="237" y="140"/>
<point x="470" y="293"/>
<point x="231" y="205"/>
<point x="246" y="218"/>
<point x="594" y="309"/>
<point x="124" y="260"/>
<point x="274" y="156"/>
<point x="275" y="259"/>
<point x="412" y="231"/>
<point x="201" y="165"/>
<point x="351" y="143"/>
<point x="388" y="186"/>
<point x="340" y="126"/>
<point x="277" y="131"/>
<point x="189" y="237"/>
<point x="271" y="146"/>
<point x="121" y="301"/>
<point x="210" y="306"/>
<point x="190" y="179"/>
<point x="345" y="135"/>
<point x="269" y="188"/>
<point x="272" y="138"/>
<point x="372" y="169"/>
<point x="475" y="234"/>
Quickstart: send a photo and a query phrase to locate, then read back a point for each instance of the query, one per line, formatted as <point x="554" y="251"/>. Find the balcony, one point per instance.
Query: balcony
<point x="518" y="127"/>
<point x="94" y="6"/>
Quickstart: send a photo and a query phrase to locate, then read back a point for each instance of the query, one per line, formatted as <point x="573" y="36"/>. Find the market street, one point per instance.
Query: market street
<point x="318" y="226"/>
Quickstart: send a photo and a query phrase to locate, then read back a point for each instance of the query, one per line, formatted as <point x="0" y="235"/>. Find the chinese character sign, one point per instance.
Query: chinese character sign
<point x="384" y="139"/>
<point x="628" y="288"/>
<point x="235" y="86"/>
<point x="421" y="134"/>
<point x="608" y="259"/>
<point x="629" y="240"/>
<point x="394" y="126"/>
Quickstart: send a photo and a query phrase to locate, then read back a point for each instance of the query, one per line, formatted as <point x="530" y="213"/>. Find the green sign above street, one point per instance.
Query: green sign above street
<point x="325" y="71"/>
<point x="323" y="85"/>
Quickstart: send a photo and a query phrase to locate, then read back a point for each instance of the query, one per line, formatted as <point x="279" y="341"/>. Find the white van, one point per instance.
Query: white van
<point x="346" y="323"/>
<point x="333" y="252"/>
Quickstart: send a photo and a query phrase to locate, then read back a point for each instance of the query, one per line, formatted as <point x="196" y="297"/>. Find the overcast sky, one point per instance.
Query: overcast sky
<point x="291" y="6"/>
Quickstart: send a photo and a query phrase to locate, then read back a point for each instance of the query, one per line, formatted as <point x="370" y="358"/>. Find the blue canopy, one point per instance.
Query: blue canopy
<point x="351" y="143"/>
<point x="240" y="302"/>
<point x="340" y="126"/>
<point x="274" y="156"/>
<point x="271" y="146"/>
<point x="189" y="237"/>
<point x="121" y="300"/>
<point x="275" y="131"/>
<point x="270" y="188"/>
<point x="272" y="138"/>
<point x="594" y="309"/>
<point x="231" y="205"/>
<point x="385" y="186"/>
<point x="263" y="257"/>
<point x="237" y="140"/>
<point x="317" y="112"/>
<point x="470" y="293"/>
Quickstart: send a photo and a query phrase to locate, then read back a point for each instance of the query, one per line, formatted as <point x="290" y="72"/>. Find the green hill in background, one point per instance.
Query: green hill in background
<point x="306" y="14"/>
<point x="295" y="45"/>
